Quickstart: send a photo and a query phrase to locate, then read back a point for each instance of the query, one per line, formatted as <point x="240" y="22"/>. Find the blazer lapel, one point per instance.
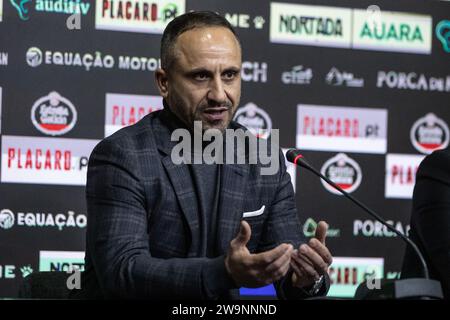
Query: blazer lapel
<point x="232" y="193"/>
<point x="181" y="181"/>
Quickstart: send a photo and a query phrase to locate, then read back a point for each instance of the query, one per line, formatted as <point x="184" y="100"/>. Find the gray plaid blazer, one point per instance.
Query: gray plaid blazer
<point x="144" y="239"/>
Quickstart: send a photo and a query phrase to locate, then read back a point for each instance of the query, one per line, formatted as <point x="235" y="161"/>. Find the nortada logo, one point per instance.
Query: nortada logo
<point x="29" y="219"/>
<point x="53" y="114"/>
<point x="255" y="119"/>
<point x="429" y="133"/>
<point x="343" y="171"/>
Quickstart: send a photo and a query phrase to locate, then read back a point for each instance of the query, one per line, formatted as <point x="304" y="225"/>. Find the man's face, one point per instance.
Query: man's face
<point x="204" y="82"/>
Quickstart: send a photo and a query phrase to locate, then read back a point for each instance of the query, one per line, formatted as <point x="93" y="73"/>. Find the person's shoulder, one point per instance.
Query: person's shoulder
<point x="441" y="155"/>
<point x="436" y="165"/>
<point x="134" y="137"/>
<point x="439" y="158"/>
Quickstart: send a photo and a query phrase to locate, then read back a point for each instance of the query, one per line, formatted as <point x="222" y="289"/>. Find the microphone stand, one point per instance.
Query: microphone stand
<point x="412" y="288"/>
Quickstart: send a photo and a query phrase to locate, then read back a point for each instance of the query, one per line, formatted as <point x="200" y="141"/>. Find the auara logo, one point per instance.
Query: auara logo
<point x="255" y="119"/>
<point x="22" y="8"/>
<point x="392" y="31"/>
<point x="53" y="114"/>
<point x="310" y="226"/>
<point x="429" y="133"/>
<point x="343" y="171"/>
<point x="443" y="34"/>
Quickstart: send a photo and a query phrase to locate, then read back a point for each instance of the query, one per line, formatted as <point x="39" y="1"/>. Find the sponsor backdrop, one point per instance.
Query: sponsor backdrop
<point x="362" y="87"/>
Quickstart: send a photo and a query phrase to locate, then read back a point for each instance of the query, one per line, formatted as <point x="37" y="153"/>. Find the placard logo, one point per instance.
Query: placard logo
<point x="137" y="15"/>
<point x="348" y="129"/>
<point x="126" y="109"/>
<point x="45" y="160"/>
<point x="346" y="273"/>
<point x="401" y="172"/>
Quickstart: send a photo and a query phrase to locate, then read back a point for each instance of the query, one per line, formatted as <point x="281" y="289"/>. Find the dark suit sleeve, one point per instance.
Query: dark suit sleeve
<point x="117" y="237"/>
<point x="283" y="226"/>
<point x="430" y="220"/>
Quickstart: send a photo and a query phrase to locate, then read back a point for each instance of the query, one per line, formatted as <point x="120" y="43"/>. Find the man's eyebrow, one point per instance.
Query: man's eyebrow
<point x="234" y="69"/>
<point x="196" y="71"/>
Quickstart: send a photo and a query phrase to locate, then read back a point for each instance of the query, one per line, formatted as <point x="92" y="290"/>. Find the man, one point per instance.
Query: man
<point x="162" y="230"/>
<point x="430" y="220"/>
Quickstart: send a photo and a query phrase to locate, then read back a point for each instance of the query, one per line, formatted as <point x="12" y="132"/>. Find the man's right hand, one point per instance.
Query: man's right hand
<point x="256" y="270"/>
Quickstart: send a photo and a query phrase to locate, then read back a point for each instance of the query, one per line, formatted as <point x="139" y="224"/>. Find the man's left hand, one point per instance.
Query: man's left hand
<point x="311" y="260"/>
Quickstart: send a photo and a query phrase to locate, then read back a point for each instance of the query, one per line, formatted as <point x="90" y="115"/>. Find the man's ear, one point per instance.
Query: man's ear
<point x="162" y="79"/>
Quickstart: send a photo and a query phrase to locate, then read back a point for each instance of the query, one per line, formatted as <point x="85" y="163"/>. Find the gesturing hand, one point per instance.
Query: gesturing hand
<point x="311" y="260"/>
<point x="256" y="270"/>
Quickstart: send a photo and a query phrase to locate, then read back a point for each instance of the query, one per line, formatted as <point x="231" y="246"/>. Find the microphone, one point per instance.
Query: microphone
<point x="426" y="286"/>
